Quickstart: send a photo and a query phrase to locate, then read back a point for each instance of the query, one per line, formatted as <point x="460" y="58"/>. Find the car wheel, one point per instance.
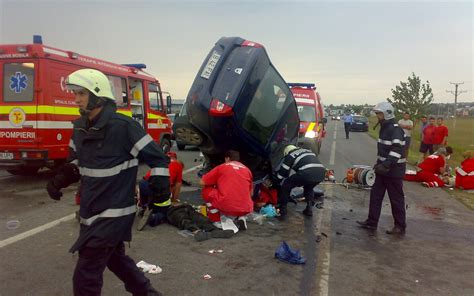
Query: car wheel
<point x="165" y="145"/>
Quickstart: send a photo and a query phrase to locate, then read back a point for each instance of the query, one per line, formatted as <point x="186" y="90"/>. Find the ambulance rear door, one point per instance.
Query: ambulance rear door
<point x="18" y="114"/>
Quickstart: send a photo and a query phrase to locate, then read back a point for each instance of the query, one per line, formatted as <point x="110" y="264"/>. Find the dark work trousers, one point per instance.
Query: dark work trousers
<point x="293" y="181"/>
<point x="394" y="187"/>
<point x="91" y="264"/>
<point x="347" y="126"/>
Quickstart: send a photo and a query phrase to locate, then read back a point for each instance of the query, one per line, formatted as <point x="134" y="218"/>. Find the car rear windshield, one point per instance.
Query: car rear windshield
<point x="18" y="82"/>
<point x="307" y="113"/>
<point x="360" y="119"/>
<point x="266" y="105"/>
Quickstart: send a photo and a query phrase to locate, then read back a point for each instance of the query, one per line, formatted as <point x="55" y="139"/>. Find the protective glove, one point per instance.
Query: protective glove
<point x="161" y="187"/>
<point x="381" y="169"/>
<point x="53" y="188"/>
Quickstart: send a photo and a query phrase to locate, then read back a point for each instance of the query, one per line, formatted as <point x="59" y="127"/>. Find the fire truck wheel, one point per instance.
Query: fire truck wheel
<point x="24" y="171"/>
<point x="165" y="145"/>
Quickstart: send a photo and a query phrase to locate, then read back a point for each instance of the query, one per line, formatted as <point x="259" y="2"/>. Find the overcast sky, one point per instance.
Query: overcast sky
<point x="355" y="51"/>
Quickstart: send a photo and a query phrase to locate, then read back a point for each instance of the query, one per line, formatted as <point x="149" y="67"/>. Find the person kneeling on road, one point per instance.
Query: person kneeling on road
<point x="153" y="211"/>
<point x="300" y="167"/>
<point x="227" y="190"/>
<point x="432" y="171"/>
<point x="389" y="171"/>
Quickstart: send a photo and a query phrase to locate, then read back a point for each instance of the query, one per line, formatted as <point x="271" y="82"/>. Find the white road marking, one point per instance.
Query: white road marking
<point x="34" y="231"/>
<point x="332" y="158"/>
<point x="192" y="169"/>
<point x="324" y="256"/>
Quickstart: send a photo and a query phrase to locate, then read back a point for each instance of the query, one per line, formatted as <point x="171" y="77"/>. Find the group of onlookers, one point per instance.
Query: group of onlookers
<point x="431" y="169"/>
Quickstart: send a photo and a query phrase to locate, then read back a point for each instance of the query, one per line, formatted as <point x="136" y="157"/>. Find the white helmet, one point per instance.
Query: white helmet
<point x="288" y="149"/>
<point x="94" y="81"/>
<point x="386" y="108"/>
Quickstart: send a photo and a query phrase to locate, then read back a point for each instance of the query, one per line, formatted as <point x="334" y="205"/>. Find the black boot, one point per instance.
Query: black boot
<point x="308" y="211"/>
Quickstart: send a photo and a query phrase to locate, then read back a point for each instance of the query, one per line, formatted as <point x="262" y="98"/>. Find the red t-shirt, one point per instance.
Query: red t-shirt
<point x="439" y="134"/>
<point x="233" y="181"/>
<point x="432" y="164"/>
<point x="176" y="172"/>
<point x="428" y="134"/>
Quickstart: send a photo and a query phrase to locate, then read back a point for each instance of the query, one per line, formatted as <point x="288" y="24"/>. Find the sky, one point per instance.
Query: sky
<point x="354" y="51"/>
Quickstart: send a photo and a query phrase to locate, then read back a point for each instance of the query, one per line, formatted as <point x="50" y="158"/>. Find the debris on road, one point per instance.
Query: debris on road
<point x="288" y="255"/>
<point x="268" y="211"/>
<point x="185" y="233"/>
<point x="13" y="224"/>
<point x="207" y="277"/>
<point x="150" y="268"/>
<point x="324" y="234"/>
<point x="338" y="233"/>
<point x="319" y="238"/>
<point x="215" y="251"/>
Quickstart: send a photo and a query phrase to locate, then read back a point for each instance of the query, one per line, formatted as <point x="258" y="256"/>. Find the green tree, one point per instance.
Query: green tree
<point x="412" y="96"/>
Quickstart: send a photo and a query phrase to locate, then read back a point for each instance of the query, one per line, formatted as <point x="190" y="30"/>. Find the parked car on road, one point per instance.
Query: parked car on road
<point x="359" y="123"/>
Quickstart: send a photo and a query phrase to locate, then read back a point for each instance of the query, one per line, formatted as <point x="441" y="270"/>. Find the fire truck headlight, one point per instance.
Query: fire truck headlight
<point x="311" y="134"/>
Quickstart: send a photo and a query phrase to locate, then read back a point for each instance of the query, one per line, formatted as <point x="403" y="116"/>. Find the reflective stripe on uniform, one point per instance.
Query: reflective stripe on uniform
<point x="160" y="172"/>
<point x="401" y="160"/>
<point x="110" y="171"/>
<point x="140" y="144"/>
<point x="285" y="166"/>
<point x="75" y="161"/>
<point x="163" y="204"/>
<point x="311" y="165"/>
<point x="395" y="154"/>
<point x="110" y="213"/>
<point x="302" y="156"/>
<point x="463" y="172"/>
<point x="72" y="145"/>
<point x="395" y="141"/>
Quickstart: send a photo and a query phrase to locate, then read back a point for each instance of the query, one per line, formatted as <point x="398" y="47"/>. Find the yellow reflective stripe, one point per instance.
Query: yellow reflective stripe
<point x="163" y="204"/>
<point x="311" y="126"/>
<point x="125" y="112"/>
<point x="154" y="116"/>
<point x="43" y="109"/>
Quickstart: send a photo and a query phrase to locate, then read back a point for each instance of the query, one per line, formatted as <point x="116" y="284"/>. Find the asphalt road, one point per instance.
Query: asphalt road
<point x="434" y="258"/>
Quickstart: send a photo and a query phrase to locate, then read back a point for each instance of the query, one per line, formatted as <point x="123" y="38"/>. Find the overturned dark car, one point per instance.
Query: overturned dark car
<point x="239" y="101"/>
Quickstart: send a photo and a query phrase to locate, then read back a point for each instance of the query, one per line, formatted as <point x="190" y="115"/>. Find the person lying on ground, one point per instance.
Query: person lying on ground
<point x="432" y="171"/>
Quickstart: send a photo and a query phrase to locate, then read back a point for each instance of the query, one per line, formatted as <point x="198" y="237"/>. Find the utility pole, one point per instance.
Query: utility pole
<point x="455" y="93"/>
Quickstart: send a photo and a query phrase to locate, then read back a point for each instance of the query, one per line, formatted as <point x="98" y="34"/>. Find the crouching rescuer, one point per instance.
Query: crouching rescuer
<point x="300" y="167"/>
<point x="104" y="153"/>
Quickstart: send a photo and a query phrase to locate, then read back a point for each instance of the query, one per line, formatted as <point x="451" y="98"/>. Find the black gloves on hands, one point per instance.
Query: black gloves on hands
<point x="381" y="169"/>
<point x="161" y="188"/>
<point x="68" y="174"/>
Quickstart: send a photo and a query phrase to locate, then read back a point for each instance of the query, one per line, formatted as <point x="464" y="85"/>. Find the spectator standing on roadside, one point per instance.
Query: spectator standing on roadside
<point x="426" y="145"/>
<point x="407" y="125"/>
<point x="347" y="123"/>
<point x="440" y="134"/>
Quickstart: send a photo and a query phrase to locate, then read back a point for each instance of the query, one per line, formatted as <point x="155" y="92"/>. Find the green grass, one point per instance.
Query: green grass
<point x="461" y="138"/>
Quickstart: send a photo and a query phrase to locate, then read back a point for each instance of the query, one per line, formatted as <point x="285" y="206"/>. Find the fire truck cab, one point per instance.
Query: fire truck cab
<point x="36" y="109"/>
<point x="310" y="111"/>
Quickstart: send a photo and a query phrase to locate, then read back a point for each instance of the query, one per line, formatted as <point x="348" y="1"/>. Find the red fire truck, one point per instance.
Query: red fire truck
<point x="36" y="109"/>
<point x="310" y="110"/>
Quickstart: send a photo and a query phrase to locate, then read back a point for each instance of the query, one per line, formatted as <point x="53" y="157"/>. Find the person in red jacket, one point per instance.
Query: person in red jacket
<point x="440" y="136"/>
<point x="227" y="189"/>
<point x="430" y="170"/>
<point x="465" y="173"/>
<point x="426" y="145"/>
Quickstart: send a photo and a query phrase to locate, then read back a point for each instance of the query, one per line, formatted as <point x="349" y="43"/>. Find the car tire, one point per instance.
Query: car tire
<point x="165" y="145"/>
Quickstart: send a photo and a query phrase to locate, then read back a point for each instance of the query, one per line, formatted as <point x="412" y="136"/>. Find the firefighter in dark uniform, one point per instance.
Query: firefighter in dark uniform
<point x="300" y="167"/>
<point x="389" y="171"/>
<point x="104" y="153"/>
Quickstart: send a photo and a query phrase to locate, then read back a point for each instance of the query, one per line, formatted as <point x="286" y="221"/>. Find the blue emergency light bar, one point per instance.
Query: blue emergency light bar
<point x="138" y="66"/>
<point x="303" y="85"/>
<point x="37" y="39"/>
